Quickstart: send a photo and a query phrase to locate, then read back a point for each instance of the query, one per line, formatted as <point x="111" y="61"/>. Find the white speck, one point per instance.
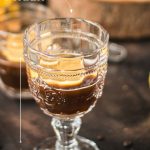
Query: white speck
<point x="71" y="10"/>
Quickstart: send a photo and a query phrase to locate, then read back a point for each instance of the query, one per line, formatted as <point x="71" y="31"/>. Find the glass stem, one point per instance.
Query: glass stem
<point x="66" y="132"/>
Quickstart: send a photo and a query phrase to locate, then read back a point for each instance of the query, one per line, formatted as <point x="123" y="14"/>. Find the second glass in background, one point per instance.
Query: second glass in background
<point x="13" y="20"/>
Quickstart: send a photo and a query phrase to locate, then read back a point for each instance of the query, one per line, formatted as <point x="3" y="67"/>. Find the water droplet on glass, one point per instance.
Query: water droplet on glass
<point x="69" y="6"/>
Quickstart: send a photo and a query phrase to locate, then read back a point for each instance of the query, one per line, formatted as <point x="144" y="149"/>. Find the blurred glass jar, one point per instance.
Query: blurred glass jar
<point x="13" y="20"/>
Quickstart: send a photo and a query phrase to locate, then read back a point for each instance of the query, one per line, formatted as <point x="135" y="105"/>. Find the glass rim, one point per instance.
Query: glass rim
<point x="25" y="39"/>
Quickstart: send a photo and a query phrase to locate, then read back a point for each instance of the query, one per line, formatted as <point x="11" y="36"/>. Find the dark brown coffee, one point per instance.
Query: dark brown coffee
<point x="67" y="101"/>
<point x="11" y="51"/>
<point x="10" y="75"/>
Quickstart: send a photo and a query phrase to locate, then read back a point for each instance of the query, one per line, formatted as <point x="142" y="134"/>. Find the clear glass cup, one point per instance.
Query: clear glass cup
<point x="66" y="60"/>
<point x="13" y="20"/>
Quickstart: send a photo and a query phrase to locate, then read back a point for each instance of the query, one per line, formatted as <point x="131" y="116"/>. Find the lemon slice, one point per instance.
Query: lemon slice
<point x="49" y="64"/>
<point x="64" y="84"/>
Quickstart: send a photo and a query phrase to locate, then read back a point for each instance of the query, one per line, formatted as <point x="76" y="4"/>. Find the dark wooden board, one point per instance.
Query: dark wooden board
<point x="123" y="112"/>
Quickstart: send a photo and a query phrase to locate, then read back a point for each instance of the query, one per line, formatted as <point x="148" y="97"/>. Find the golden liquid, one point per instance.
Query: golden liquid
<point x="12" y="49"/>
<point x="66" y="72"/>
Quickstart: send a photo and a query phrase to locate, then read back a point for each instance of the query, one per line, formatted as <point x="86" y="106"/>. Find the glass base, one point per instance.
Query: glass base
<point x="83" y="144"/>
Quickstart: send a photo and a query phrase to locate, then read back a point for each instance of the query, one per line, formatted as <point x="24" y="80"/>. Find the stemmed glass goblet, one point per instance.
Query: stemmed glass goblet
<point x="66" y="61"/>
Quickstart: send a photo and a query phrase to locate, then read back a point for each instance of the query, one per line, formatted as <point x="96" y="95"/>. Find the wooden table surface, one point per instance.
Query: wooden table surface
<point x="121" y="116"/>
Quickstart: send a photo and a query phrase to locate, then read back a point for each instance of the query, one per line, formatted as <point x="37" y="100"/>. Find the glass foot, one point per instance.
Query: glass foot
<point x="83" y="144"/>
